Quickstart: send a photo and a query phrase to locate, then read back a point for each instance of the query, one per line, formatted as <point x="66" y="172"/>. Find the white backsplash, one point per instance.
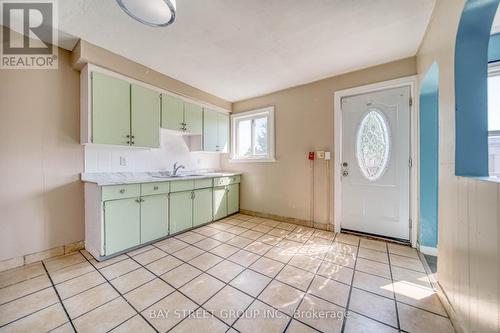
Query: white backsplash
<point x="173" y="148"/>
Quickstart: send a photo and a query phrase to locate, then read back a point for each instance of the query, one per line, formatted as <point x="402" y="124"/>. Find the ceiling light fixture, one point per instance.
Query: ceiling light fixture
<point x="154" y="13"/>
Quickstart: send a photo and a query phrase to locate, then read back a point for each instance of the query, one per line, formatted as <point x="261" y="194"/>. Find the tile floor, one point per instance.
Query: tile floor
<point x="241" y="274"/>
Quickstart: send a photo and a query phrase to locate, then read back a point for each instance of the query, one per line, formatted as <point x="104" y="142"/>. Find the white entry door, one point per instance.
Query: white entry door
<point x="375" y="158"/>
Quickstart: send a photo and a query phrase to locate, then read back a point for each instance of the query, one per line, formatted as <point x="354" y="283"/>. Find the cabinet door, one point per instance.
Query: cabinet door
<point x="172" y="112"/>
<point x="121" y="225"/>
<point x="223" y="132"/>
<point x="233" y="198"/>
<point x="202" y="206"/>
<point x="110" y="110"/>
<point x="145" y="108"/>
<point x="220" y="203"/>
<point x="154" y="217"/>
<point x="181" y="211"/>
<point x="210" y="130"/>
<point x="193" y="118"/>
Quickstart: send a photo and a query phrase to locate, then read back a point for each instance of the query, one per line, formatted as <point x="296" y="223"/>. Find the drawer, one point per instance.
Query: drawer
<point x="203" y="183"/>
<point x="182" y="185"/>
<point x="222" y="181"/>
<point x="114" y="192"/>
<point x="155" y="188"/>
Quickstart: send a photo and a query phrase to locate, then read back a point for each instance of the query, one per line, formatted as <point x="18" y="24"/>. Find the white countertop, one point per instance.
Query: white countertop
<point x="120" y="178"/>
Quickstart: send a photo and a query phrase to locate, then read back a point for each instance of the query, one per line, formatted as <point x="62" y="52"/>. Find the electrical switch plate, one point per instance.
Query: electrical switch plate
<point x="320" y="154"/>
<point x="328" y="156"/>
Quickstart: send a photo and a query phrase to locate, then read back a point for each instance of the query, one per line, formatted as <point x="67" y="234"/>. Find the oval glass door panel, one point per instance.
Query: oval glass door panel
<point x="373" y="145"/>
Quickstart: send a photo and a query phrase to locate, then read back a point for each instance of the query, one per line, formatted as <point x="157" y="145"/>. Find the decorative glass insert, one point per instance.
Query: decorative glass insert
<point x="373" y="145"/>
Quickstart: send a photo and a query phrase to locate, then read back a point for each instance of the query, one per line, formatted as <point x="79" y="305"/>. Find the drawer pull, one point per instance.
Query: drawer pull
<point x="155" y="188"/>
<point x="122" y="191"/>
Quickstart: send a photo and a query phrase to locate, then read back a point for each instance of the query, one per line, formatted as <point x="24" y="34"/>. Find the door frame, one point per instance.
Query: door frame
<point x="336" y="185"/>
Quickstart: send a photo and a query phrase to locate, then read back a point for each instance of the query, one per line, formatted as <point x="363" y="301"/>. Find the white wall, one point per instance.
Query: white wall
<point x="173" y="148"/>
<point x="469" y="217"/>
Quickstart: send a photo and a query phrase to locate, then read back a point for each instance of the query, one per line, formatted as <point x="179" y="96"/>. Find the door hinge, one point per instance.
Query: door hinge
<point x="410" y="162"/>
<point x="411" y="101"/>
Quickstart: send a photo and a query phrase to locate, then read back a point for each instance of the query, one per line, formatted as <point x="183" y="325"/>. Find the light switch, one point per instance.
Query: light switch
<point x="123" y="161"/>
<point x="320" y="154"/>
<point x="328" y="155"/>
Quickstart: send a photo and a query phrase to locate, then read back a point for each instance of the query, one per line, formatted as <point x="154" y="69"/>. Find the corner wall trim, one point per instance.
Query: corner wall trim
<point x="430" y="251"/>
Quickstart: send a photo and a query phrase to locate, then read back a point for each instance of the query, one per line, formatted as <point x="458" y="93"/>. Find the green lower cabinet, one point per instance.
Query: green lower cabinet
<point x="181" y="211"/>
<point x="202" y="206"/>
<point x="154" y="217"/>
<point x="122" y="224"/>
<point x="220" y="202"/>
<point x="233" y="198"/>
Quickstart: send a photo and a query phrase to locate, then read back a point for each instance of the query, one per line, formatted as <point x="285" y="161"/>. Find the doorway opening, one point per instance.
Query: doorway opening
<point x="429" y="164"/>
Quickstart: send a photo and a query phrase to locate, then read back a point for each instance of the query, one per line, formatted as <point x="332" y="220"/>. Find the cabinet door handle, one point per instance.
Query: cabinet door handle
<point x="137" y="200"/>
<point x="155" y="188"/>
<point x="122" y="191"/>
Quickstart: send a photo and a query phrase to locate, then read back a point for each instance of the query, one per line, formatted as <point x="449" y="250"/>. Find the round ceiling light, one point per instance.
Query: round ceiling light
<point x="155" y="13"/>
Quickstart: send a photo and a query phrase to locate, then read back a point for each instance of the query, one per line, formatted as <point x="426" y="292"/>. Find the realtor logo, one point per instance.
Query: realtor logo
<point x="28" y="35"/>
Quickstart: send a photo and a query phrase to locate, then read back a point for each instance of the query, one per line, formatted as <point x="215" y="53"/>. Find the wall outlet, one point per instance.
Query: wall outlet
<point x="123" y="161"/>
<point x="320" y="154"/>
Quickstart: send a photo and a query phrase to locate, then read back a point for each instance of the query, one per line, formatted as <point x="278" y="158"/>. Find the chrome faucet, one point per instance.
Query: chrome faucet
<point x="176" y="168"/>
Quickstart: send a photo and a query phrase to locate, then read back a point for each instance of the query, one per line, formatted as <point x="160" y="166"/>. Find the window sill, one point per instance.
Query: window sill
<point x="490" y="179"/>
<point x="252" y="160"/>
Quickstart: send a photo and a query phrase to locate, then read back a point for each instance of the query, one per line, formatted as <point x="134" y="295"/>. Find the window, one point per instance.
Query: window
<point x="253" y="135"/>
<point x="373" y="145"/>
<point x="494" y="120"/>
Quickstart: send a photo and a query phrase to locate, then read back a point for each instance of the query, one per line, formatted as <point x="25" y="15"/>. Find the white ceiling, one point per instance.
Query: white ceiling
<point x="237" y="49"/>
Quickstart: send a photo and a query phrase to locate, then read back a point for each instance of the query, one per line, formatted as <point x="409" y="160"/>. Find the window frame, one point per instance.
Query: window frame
<point x="251" y="115"/>
<point x="493" y="70"/>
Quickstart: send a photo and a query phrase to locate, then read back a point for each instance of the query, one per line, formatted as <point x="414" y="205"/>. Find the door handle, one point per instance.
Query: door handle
<point x="345" y="169"/>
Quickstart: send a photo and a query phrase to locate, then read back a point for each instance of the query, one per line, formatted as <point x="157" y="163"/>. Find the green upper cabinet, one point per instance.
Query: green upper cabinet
<point x="210" y="130"/>
<point x="154" y="217"/>
<point x="172" y="112"/>
<point x="145" y="115"/>
<point x="202" y="206"/>
<point x="121" y="225"/>
<point x="233" y="198"/>
<point x="215" y="131"/>
<point x="110" y="110"/>
<point x="181" y="211"/>
<point x="193" y="118"/>
<point x="223" y="132"/>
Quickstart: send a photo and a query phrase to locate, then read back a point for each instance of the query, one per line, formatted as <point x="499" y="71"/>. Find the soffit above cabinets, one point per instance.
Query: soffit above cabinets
<point x="237" y="49"/>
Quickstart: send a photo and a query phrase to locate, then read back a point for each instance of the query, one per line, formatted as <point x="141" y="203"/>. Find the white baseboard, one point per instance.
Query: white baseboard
<point x="431" y="251"/>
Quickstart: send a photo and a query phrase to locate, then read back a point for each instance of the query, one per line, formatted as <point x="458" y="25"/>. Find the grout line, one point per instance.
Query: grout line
<point x="59" y="297"/>
<point x="119" y="293"/>
<point x="309" y="286"/>
<point x="29" y="314"/>
<point x="392" y="284"/>
<point x="281" y="238"/>
<point x="350" y="288"/>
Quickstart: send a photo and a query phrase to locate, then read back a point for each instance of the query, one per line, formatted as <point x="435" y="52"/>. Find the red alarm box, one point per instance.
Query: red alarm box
<point x="311" y="156"/>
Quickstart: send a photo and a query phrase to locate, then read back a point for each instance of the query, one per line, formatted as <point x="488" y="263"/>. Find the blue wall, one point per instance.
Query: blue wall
<point x="429" y="157"/>
<point x="471" y="72"/>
